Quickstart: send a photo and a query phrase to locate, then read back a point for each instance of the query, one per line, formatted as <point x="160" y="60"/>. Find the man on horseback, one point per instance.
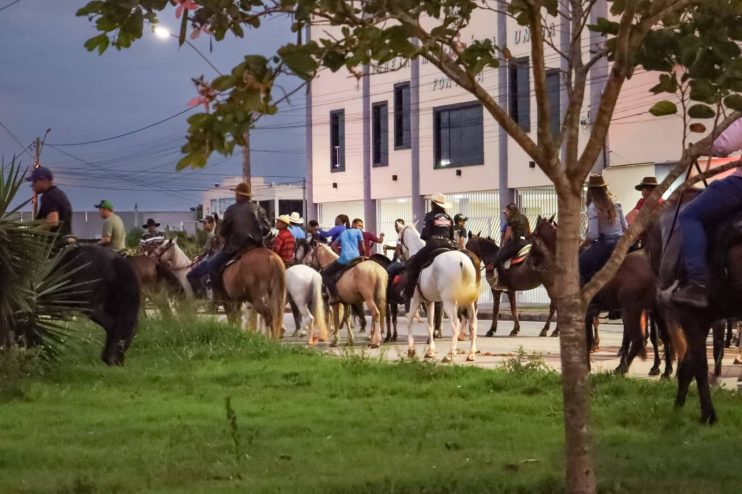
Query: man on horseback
<point x="295" y="226"/>
<point x="201" y="269"/>
<point x="114" y="233"/>
<point x="721" y="199"/>
<point x="242" y="228"/>
<point x="514" y="239"/>
<point x="284" y="244"/>
<point x="350" y="241"/>
<point x="55" y="209"/>
<point x="437" y="233"/>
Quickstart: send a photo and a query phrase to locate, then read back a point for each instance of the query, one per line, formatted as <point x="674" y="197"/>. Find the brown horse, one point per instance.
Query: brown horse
<point x="524" y="276"/>
<point x="364" y="282"/>
<point x="156" y="277"/>
<point x="258" y="277"/>
<point x="632" y="291"/>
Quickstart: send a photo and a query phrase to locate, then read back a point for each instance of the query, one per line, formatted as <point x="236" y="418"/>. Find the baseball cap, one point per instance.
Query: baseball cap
<point x="460" y="217"/>
<point x="207" y="219"/>
<point x="40" y="173"/>
<point x="104" y="204"/>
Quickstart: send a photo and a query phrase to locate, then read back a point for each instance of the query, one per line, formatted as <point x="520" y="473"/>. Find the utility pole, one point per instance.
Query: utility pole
<point x="38" y="145"/>
<point x="246" y="172"/>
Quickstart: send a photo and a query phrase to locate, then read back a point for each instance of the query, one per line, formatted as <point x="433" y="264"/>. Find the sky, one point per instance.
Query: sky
<point x="49" y="80"/>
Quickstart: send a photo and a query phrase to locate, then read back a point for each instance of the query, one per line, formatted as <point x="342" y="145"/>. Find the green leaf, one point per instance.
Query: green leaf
<point x="701" y="111"/>
<point x="99" y="42"/>
<point x="667" y="84"/>
<point x="733" y="101"/>
<point x="222" y="83"/>
<point x="702" y="90"/>
<point x="662" y="108"/>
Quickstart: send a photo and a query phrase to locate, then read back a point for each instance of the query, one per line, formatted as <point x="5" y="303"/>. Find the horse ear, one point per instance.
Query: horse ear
<point x="551" y="220"/>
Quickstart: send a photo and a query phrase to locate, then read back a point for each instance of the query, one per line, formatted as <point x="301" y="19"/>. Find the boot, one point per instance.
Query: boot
<point x="693" y="294"/>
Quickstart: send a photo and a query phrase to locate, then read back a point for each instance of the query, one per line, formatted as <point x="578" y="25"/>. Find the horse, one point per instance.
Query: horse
<point x="170" y="253"/>
<point x="452" y="278"/>
<point x="631" y="291"/>
<point x="363" y="282"/>
<point x="523" y="276"/>
<point x="107" y="292"/>
<point x="257" y="276"/>
<point x="689" y="327"/>
<point x="304" y="287"/>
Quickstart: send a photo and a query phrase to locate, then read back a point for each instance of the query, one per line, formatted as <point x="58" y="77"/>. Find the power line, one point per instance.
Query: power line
<point x="9" y="5"/>
<point x="23" y="146"/>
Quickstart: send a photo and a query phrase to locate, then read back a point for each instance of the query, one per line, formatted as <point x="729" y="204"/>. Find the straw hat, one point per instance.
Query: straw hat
<point x="647" y="182"/>
<point x="440" y="200"/>
<point x="296" y="219"/>
<point x="285" y="218"/>
<point x="596" y="182"/>
<point x="242" y="189"/>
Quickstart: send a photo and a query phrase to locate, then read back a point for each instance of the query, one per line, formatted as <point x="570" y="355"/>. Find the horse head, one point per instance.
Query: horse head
<point x="484" y="248"/>
<point x="410" y="241"/>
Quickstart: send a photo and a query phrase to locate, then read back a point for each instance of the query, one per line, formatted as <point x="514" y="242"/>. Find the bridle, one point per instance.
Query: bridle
<point x="170" y="245"/>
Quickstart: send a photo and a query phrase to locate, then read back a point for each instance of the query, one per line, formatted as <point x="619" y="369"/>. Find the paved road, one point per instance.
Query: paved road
<point x="500" y="347"/>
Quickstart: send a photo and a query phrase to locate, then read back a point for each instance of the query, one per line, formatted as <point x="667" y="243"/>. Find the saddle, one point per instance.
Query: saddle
<point x="350" y="265"/>
<point x="433" y="255"/>
<point x="520" y="257"/>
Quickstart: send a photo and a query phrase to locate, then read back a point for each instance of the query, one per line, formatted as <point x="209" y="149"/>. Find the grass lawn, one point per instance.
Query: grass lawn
<point x="302" y="422"/>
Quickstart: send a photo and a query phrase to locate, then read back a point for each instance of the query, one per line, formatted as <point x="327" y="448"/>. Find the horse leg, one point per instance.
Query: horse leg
<point x="666" y="343"/>
<point x="108" y="324"/>
<point x="495" y="312"/>
<point x="430" y="308"/>
<point x="451" y="308"/>
<point x="697" y="335"/>
<point x="633" y="330"/>
<point x="335" y="310"/>
<point x="718" y="339"/>
<point x="552" y="310"/>
<point x="437" y="320"/>
<point x="358" y="313"/>
<point x="297" y="314"/>
<point x="414" y="306"/>
<point x="596" y="337"/>
<point x="514" y="313"/>
<point x="472" y="311"/>
<point x="395" y="310"/>
<point x="589" y="334"/>
<point x="347" y="318"/>
<point x="376" y="321"/>
<point x="728" y="338"/>
<point x="652" y="325"/>
<point x="309" y="325"/>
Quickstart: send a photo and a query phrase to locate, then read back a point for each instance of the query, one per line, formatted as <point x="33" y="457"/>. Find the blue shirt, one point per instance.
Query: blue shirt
<point x="333" y="233"/>
<point x="297" y="232"/>
<point x="349" y="240"/>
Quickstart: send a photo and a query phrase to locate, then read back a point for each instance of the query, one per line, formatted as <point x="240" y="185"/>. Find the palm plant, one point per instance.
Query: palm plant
<point x="35" y="293"/>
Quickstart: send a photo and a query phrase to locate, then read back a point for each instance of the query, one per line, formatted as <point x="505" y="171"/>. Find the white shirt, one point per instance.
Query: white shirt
<point x="729" y="141"/>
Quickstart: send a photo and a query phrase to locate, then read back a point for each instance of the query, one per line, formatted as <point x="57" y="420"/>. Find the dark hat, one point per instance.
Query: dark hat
<point x="207" y="219"/>
<point x="242" y="189"/>
<point x="40" y="173"/>
<point x="460" y="217"/>
<point x="512" y="207"/>
<point x="150" y="222"/>
<point x="647" y="182"/>
<point x="596" y="182"/>
<point x="104" y="204"/>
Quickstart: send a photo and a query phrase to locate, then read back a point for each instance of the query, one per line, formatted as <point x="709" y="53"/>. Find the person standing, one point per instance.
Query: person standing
<point x="459" y="231"/>
<point x="369" y="239"/>
<point x="114" y="233"/>
<point x="605" y="226"/>
<point x="295" y="226"/>
<point x="284" y="244"/>
<point x="242" y="228"/>
<point x="349" y="241"/>
<point x="201" y="269"/>
<point x="55" y="210"/>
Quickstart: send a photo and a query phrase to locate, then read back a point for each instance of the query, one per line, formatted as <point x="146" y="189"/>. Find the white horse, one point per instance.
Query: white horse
<point x="170" y="253"/>
<point x="450" y="279"/>
<point x="304" y="285"/>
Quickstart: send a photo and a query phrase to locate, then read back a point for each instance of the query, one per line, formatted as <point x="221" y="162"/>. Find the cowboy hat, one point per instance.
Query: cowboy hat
<point x="242" y="189"/>
<point x="647" y="182"/>
<point x="295" y="218"/>
<point x="285" y="218"/>
<point x="150" y="222"/>
<point x="596" y="182"/>
<point x="439" y="199"/>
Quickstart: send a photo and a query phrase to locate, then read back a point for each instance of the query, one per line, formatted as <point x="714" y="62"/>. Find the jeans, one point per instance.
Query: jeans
<point x="722" y="198"/>
<point x="328" y="276"/>
<point x="194" y="276"/>
<point x="216" y="263"/>
<point x="594" y="257"/>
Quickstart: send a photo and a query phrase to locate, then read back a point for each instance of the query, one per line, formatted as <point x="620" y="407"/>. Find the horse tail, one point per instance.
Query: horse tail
<point x="277" y="294"/>
<point x="317" y="307"/>
<point x="677" y="336"/>
<point x="168" y="278"/>
<point x="468" y="290"/>
<point x="125" y="291"/>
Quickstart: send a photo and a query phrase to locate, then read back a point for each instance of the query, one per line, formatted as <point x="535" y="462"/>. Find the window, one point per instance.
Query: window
<point x="270" y="209"/>
<point x="287" y="206"/>
<point x="337" y="140"/>
<point x="402" y="116"/>
<point x="458" y="135"/>
<point x="379" y="134"/>
<point x="553" y="88"/>
<point x="520" y="93"/>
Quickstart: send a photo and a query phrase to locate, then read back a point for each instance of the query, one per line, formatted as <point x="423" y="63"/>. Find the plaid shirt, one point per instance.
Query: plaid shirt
<point x="284" y="244"/>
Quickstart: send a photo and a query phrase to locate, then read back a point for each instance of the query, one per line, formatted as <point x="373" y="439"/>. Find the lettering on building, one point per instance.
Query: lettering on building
<point x="442" y="83"/>
<point x="390" y="66"/>
<point x="523" y="36"/>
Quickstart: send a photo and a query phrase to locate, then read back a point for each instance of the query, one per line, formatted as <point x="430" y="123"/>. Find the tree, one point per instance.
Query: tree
<point x="664" y="36"/>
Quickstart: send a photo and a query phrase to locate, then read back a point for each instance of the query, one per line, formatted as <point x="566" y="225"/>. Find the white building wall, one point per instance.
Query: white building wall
<point x="328" y="211"/>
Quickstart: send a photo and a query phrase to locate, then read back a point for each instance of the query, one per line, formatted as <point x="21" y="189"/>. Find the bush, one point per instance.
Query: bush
<point x="133" y="237"/>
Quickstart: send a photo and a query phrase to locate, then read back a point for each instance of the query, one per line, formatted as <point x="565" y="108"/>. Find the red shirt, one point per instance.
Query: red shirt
<point x="368" y="241"/>
<point x="284" y="244"/>
<point x="640" y="204"/>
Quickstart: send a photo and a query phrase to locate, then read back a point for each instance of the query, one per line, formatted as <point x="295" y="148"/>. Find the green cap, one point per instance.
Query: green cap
<point x="105" y="204"/>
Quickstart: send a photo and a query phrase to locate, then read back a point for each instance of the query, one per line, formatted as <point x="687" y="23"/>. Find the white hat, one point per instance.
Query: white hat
<point x="285" y="218"/>
<point x="295" y="218"/>
<point x="440" y="200"/>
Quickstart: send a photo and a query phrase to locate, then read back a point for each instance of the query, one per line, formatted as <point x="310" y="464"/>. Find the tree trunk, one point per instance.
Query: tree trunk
<point x="573" y="347"/>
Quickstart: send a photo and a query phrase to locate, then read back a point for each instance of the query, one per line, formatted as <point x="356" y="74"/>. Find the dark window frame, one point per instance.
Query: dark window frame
<point x="337" y="156"/>
<point x="402" y="116"/>
<point x="380" y="132"/>
<point x="520" y="103"/>
<point x="437" y="135"/>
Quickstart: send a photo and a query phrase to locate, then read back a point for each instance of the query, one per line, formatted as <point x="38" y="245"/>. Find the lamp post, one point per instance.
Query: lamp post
<point x="164" y="33"/>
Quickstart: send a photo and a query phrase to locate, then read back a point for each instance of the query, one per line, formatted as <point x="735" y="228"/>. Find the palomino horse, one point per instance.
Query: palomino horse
<point x="258" y="277"/>
<point x="170" y="253"/>
<point x="524" y="276"/>
<point x="364" y="282"/>
<point x="304" y="286"/>
<point x="632" y="291"/>
<point x="452" y="279"/>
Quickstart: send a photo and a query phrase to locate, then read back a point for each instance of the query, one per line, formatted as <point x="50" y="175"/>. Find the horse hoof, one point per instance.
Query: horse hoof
<point x="429" y="355"/>
<point x="666" y="375"/>
<point x="373" y="345"/>
<point x="709" y="419"/>
<point x="543" y="333"/>
<point x="437" y="335"/>
<point x="620" y="371"/>
<point x="462" y="338"/>
<point x="514" y="332"/>
<point x="594" y="348"/>
<point x="334" y="344"/>
<point x="654" y="371"/>
<point x="490" y="333"/>
<point x="470" y="357"/>
<point x="555" y="334"/>
<point x="448" y="358"/>
<point x="395" y="337"/>
<point x="411" y="352"/>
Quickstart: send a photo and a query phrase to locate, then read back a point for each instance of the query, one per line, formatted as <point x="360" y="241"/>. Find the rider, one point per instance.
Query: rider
<point x="295" y="226"/>
<point x="397" y="262"/>
<point x="605" y="225"/>
<point x="721" y="199"/>
<point x="284" y="243"/>
<point x="114" y="233"/>
<point x="350" y="240"/>
<point x="342" y="223"/>
<point x="437" y="233"/>
<point x="514" y="237"/>
<point x="646" y="187"/>
<point x="242" y="228"/>
<point x="55" y="209"/>
<point x="369" y="239"/>
<point x="201" y="269"/>
<point x="312" y="236"/>
<point x="459" y="231"/>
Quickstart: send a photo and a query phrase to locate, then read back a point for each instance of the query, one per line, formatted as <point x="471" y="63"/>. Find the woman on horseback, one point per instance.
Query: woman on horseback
<point x="437" y="233"/>
<point x="605" y="225"/>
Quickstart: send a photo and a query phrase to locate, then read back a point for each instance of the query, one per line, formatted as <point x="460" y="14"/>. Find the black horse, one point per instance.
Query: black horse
<point x="106" y="291"/>
<point x="724" y="294"/>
